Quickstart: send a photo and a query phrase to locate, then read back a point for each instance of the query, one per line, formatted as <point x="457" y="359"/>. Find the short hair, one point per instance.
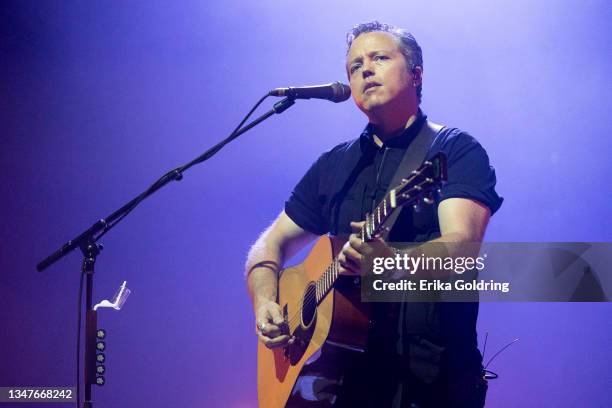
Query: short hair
<point x="407" y="43"/>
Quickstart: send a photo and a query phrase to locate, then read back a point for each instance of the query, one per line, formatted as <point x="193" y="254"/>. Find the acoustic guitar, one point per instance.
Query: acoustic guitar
<point x="319" y="305"/>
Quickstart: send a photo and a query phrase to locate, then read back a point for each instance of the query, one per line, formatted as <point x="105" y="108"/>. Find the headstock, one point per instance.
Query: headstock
<point x="421" y="184"/>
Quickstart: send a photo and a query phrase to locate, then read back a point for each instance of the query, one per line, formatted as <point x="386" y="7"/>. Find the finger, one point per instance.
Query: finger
<point x="274" y="342"/>
<point x="345" y="264"/>
<point x="356" y="226"/>
<point x="276" y="316"/>
<point x="377" y="247"/>
<point x="269" y="330"/>
<point x="379" y="239"/>
<point x="348" y="268"/>
<point x="352" y="255"/>
<point x="345" y="261"/>
<point x="264" y="339"/>
<point x="353" y="243"/>
<point x="263" y="322"/>
<point x="278" y="342"/>
<point x="356" y="243"/>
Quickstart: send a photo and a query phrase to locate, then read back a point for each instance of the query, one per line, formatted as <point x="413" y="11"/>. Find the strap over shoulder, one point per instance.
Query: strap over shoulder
<point x="413" y="158"/>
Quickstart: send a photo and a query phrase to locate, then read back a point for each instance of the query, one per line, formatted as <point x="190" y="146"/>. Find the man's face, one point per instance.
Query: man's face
<point x="378" y="73"/>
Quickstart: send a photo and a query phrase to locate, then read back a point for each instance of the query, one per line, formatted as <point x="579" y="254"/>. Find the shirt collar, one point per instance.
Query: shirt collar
<point x="402" y="141"/>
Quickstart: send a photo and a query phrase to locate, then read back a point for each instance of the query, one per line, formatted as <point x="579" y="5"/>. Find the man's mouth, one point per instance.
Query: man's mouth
<point x="370" y="85"/>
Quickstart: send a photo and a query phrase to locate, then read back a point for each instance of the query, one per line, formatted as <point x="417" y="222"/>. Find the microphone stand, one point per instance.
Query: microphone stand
<point x="87" y="241"/>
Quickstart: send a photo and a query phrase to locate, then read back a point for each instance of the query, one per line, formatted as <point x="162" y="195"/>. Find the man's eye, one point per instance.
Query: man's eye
<point x="380" y="57"/>
<point x="355" y="67"/>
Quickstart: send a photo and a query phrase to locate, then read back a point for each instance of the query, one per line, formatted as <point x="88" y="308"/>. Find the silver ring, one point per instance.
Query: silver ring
<point x="261" y="326"/>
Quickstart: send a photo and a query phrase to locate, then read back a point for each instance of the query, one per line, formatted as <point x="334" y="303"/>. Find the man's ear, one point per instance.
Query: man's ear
<point x="417" y="75"/>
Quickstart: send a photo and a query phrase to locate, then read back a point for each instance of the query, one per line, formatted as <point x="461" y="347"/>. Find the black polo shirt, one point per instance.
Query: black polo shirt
<point x="346" y="182"/>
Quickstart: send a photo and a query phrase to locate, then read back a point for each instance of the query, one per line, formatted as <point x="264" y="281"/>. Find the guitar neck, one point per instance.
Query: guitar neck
<point x="374" y="224"/>
<point x="420" y="183"/>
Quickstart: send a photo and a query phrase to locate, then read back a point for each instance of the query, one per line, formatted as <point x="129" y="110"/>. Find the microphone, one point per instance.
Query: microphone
<point x="335" y="92"/>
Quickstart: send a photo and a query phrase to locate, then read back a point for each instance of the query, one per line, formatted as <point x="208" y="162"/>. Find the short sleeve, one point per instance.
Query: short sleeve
<point x="470" y="174"/>
<point x="305" y="205"/>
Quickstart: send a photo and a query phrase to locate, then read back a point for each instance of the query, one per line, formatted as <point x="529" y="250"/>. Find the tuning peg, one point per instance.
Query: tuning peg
<point x="428" y="200"/>
<point x="416" y="206"/>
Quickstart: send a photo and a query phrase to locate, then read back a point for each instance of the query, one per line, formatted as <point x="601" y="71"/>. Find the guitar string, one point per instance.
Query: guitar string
<point x="330" y="269"/>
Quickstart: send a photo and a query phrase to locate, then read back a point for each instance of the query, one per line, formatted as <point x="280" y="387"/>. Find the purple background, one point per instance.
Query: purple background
<point x="97" y="99"/>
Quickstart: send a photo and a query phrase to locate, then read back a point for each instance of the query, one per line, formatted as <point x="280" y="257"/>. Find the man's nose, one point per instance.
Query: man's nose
<point x="368" y="69"/>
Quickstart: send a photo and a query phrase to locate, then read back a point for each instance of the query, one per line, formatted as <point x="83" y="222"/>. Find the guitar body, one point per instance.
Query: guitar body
<point x="340" y="317"/>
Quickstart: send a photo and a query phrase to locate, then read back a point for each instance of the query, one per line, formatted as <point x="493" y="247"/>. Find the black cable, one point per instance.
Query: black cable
<point x="78" y="346"/>
<point x="502" y="349"/>
<point x="177" y="172"/>
<point x="488" y="374"/>
<point x="484" y="348"/>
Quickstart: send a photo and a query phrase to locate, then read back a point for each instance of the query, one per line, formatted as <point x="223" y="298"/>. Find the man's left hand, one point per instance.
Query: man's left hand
<point x="357" y="254"/>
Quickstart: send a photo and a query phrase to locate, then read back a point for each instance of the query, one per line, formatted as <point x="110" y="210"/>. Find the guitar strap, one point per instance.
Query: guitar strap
<point x="415" y="155"/>
<point x="413" y="158"/>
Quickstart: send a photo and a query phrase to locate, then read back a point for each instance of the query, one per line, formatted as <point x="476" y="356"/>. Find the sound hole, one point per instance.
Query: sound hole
<point x="309" y="305"/>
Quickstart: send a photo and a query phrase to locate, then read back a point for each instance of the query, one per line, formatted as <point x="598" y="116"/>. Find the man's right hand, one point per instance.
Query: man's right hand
<point x="269" y="320"/>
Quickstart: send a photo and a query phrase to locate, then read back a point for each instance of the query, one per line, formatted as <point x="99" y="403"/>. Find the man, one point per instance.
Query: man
<point x="429" y="357"/>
